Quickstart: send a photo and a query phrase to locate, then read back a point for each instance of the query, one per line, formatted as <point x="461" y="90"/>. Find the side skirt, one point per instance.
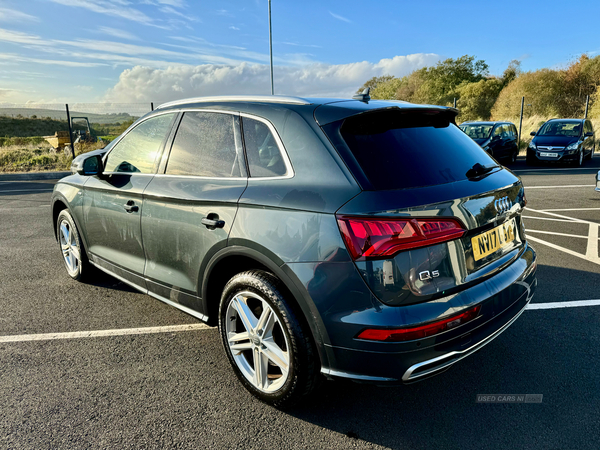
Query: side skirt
<point x="185" y="309"/>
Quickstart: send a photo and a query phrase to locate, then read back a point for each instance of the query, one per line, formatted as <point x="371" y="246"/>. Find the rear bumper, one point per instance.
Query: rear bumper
<point x="503" y="297"/>
<point x="433" y="366"/>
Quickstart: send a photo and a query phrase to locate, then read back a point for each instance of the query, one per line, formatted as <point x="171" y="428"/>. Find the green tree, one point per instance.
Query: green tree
<point x="477" y="99"/>
<point x="374" y="82"/>
<point x="442" y="81"/>
<point x="543" y="89"/>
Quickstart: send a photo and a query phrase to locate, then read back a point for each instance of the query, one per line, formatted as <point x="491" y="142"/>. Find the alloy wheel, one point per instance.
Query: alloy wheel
<point x="257" y="341"/>
<point x="70" y="248"/>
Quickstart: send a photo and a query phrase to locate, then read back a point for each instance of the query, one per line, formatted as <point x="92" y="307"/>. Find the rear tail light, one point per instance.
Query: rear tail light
<point x="423" y="331"/>
<point x="368" y="238"/>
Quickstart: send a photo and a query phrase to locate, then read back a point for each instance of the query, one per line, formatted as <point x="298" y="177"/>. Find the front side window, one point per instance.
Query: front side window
<point x="136" y="152"/>
<point x="263" y="153"/>
<point x="205" y="145"/>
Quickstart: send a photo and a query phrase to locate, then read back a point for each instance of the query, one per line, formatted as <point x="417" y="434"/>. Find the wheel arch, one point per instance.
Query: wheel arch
<point x="235" y="259"/>
<point x="58" y="204"/>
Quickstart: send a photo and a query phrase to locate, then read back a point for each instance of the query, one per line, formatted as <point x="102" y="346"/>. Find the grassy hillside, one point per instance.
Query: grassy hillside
<point x="62" y="115"/>
<point x="28" y="127"/>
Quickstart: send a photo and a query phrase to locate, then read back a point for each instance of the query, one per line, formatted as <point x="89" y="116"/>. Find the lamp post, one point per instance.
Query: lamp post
<point x="271" y="49"/>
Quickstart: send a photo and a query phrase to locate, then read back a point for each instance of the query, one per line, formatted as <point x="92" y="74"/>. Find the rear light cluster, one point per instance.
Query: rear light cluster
<point x="423" y="331"/>
<point x="369" y="238"/>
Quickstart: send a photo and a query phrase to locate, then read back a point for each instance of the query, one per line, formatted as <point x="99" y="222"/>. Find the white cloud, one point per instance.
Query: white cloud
<point x="234" y="28"/>
<point x="338" y="17"/>
<point x="313" y="80"/>
<point x="115" y="8"/>
<point x="12" y="15"/>
<point x="121" y="34"/>
<point x="52" y="62"/>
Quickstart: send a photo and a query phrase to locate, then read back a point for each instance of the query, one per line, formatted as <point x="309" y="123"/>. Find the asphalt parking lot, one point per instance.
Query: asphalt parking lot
<point x="102" y="387"/>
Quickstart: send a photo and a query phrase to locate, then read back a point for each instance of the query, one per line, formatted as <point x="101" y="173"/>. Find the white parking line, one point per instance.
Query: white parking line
<point x="572" y="304"/>
<point x="28" y="190"/>
<point x="102" y="333"/>
<point x="560" y="187"/>
<point x="570" y="209"/>
<point x="562" y="217"/>
<point x="529" y="230"/>
<point x="554" y="170"/>
<point x="548" y="218"/>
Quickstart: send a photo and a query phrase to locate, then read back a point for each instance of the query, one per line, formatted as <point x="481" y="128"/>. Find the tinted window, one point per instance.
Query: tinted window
<point x="477" y="131"/>
<point x="514" y="131"/>
<point x="404" y="150"/>
<point x="205" y="145"/>
<point x="262" y="151"/>
<point x="137" y="151"/>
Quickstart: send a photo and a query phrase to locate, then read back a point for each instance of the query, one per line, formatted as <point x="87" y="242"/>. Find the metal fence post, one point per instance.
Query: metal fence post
<point x="521" y="121"/>
<point x="151" y="106"/>
<point x="70" y="131"/>
<point x="587" y="105"/>
<point x="454" y="102"/>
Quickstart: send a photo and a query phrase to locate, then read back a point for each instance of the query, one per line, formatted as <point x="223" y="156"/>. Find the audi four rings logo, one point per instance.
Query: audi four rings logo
<point x="503" y="204"/>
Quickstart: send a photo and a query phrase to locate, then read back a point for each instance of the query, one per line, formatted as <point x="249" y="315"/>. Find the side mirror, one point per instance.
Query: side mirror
<point x="88" y="166"/>
<point x="588" y="134"/>
<point x="532" y="133"/>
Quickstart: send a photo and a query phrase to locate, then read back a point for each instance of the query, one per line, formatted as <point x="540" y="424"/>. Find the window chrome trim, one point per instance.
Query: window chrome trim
<point x="286" y="159"/>
<point x="289" y="169"/>
<point x="126" y="132"/>
<point x="239" y="98"/>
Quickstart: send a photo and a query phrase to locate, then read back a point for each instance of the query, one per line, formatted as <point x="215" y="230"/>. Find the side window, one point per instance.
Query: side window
<point x="263" y="153"/>
<point x="498" y="131"/>
<point x="137" y="151"/>
<point x="205" y="145"/>
<point x="588" y="126"/>
<point x="514" y="131"/>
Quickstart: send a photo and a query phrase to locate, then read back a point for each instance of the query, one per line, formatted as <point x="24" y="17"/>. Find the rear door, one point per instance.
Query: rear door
<point x="189" y="209"/>
<point x="113" y="202"/>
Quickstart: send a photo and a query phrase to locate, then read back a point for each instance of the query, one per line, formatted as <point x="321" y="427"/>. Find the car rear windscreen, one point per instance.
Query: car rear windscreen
<point x="408" y="149"/>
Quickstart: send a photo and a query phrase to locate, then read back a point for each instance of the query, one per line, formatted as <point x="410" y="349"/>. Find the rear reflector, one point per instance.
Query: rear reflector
<point x="408" y="334"/>
<point x="369" y="238"/>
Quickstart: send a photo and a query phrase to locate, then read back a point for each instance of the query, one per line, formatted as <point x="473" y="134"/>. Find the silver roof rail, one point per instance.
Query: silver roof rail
<point x="239" y="98"/>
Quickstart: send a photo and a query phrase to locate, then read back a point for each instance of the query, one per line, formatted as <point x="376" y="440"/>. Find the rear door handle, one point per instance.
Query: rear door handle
<point x="211" y="224"/>
<point x="130" y="206"/>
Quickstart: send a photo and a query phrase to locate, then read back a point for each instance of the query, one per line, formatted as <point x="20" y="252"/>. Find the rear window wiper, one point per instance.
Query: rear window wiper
<point x="478" y="170"/>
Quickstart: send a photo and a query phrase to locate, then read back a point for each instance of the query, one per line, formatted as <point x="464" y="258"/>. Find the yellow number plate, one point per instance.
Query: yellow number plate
<point x="487" y="243"/>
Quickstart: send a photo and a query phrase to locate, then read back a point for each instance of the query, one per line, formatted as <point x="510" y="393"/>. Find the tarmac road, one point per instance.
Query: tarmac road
<point x="175" y="389"/>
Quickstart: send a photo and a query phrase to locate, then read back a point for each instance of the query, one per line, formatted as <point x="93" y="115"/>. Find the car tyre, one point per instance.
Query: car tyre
<point x="71" y="246"/>
<point x="579" y="160"/>
<point x="270" y="349"/>
<point x="529" y="160"/>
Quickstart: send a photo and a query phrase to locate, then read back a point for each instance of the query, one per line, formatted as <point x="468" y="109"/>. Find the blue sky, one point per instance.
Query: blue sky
<point x="159" y="50"/>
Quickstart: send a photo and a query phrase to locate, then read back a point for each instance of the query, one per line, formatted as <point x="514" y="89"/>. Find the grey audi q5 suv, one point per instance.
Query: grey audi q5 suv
<point x="326" y="238"/>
